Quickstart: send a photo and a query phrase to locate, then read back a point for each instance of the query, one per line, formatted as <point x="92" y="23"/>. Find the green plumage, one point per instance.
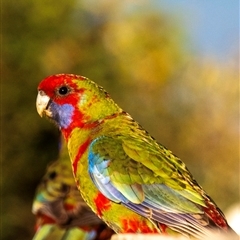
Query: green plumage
<point x="61" y="213"/>
<point x="137" y="159"/>
<point x="132" y="182"/>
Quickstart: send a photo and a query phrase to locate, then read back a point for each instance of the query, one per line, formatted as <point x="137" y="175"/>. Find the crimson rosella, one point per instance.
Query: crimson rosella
<point x="129" y="180"/>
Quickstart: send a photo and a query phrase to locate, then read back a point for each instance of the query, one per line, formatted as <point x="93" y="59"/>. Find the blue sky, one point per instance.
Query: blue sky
<point x="212" y="25"/>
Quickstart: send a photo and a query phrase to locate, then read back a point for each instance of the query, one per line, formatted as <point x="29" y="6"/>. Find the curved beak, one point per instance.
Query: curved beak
<point x="42" y="104"/>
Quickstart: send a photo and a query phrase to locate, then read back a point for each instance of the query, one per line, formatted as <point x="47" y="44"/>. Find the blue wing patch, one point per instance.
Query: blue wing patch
<point x="160" y="203"/>
<point x="99" y="175"/>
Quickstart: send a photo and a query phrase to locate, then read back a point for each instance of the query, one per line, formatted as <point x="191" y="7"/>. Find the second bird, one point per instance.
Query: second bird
<point x="60" y="210"/>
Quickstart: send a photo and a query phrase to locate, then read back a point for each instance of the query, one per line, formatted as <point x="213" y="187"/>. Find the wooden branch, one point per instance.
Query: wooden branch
<point x="161" y="237"/>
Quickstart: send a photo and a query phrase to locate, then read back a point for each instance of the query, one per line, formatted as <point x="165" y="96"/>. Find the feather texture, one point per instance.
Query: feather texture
<point x="130" y="180"/>
<point x="60" y="210"/>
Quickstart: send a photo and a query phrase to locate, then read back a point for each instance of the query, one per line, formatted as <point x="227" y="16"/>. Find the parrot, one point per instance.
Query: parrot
<point x="60" y="210"/>
<point x="132" y="182"/>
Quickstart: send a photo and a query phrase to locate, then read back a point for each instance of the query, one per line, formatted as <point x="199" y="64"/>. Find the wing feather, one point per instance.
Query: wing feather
<point x="146" y="183"/>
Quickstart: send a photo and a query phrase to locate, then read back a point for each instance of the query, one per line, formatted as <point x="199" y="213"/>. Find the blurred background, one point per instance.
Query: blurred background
<point x="172" y="66"/>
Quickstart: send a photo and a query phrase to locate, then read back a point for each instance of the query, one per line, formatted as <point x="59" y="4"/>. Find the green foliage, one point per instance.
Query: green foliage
<point x="139" y="56"/>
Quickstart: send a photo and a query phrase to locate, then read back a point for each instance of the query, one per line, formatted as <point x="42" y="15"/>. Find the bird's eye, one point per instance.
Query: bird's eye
<point x="52" y="175"/>
<point x="63" y="90"/>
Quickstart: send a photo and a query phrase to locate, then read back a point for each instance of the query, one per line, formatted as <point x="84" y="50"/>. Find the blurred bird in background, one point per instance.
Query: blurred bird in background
<point x="60" y="210"/>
